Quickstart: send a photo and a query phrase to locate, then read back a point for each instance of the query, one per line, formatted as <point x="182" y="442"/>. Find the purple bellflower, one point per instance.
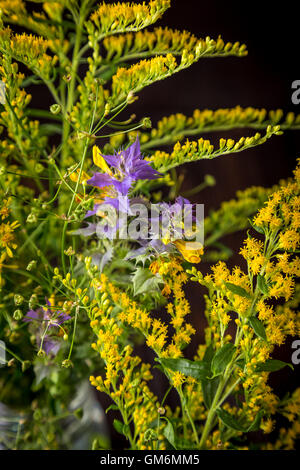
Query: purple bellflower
<point x="128" y="166"/>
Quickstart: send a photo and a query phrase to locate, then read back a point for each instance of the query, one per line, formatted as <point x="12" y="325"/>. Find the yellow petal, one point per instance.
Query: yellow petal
<point x="191" y="251"/>
<point x="9" y="252"/>
<point x="99" y="160"/>
<point x="74" y="176"/>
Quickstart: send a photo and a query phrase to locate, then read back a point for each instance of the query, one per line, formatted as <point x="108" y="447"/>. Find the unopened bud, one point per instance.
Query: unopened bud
<point x="18" y="299"/>
<point x="31" y="265"/>
<point x="67" y="363"/>
<point x="209" y="180"/>
<point x="147" y="124"/>
<point x="31" y="219"/>
<point x="55" y="108"/>
<point x="18" y="315"/>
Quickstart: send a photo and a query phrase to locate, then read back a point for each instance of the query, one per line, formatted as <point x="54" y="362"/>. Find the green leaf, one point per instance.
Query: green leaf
<point x="258" y="229"/>
<point x="209" y="388"/>
<point x="258" y="327"/>
<point x="144" y="281"/>
<point x="272" y="365"/>
<point x="233" y="423"/>
<point x="185" y="444"/>
<point x="222" y="358"/>
<point x="111" y="407"/>
<point x="50" y="129"/>
<point x="196" y="369"/>
<point x="119" y="426"/>
<point x="209" y="354"/>
<point x="255" y="425"/>
<point x="262" y="285"/>
<point x="229" y="420"/>
<point x="237" y="290"/>
<point x="169" y="433"/>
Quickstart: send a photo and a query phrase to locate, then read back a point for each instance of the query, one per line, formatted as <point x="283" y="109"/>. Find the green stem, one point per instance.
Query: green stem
<point x="74" y="68"/>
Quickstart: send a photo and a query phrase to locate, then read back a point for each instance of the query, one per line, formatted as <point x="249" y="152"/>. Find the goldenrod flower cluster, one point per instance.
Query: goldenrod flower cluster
<point x="164" y="41"/>
<point x="172" y="128"/>
<point x="125" y="376"/>
<point x="121" y="17"/>
<point x="29" y="49"/>
<point x="203" y="148"/>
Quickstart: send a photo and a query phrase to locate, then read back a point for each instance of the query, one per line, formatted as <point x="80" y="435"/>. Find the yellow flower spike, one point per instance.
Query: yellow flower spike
<point x="99" y="161"/>
<point x="191" y="251"/>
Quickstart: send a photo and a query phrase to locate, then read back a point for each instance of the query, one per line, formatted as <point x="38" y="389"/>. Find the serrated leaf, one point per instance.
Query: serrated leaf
<point x="272" y="365"/>
<point x="222" y="358"/>
<point x="144" y="281"/>
<point x="258" y="328"/>
<point x="196" y="369"/>
<point x="262" y="285"/>
<point x="237" y="290"/>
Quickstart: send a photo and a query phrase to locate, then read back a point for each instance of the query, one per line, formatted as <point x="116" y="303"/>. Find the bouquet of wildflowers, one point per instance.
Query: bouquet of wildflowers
<point x="97" y="243"/>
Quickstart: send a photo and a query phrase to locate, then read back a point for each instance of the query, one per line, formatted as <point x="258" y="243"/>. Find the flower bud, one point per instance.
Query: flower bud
<point x="55" y="108"/>
<point x="18" y="315"/>
<point x="67" y="363"/>
<point x="31" y="265"/>
<point x="18" y="299"/>
<point x="147" y="123"/>
<point x="209" y="180"/>
<point x="31" y="219"/>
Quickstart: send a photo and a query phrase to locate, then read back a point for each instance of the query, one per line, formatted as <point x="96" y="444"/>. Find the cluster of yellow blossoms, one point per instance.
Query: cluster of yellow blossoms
<point x="203" y="148"/>
<point x="7" y="236"/>
<point x="125" y="376"/>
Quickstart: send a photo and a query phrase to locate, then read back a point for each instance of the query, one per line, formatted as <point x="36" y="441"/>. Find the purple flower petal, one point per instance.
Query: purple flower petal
<point x="100" y="180"/>
<point x="31" y="316"/>
<point x="123" y="186"/>
<point x="50" y="345"/>
<point x="93" y="211"/>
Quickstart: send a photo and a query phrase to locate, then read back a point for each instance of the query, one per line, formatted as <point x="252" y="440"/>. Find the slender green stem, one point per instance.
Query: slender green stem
<point x="74" y="332"/>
